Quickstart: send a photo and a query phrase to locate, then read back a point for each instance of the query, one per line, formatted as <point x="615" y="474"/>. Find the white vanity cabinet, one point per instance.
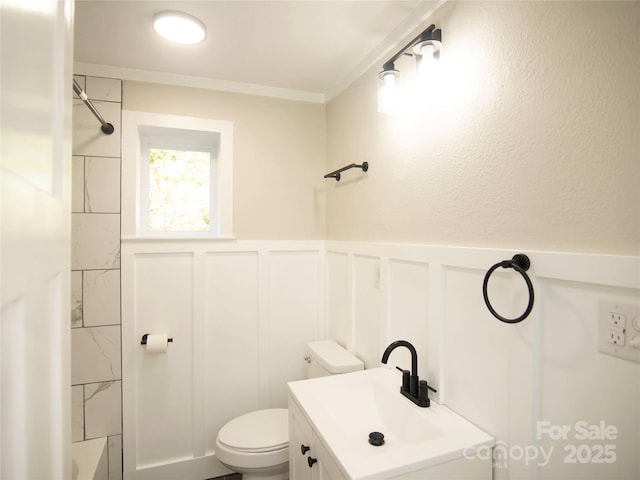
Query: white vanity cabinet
<point x="309" y="458"/>
<point x="331" y="420"/>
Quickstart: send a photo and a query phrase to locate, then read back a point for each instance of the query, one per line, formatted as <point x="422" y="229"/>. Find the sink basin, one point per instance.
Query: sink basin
<point x="344" y="409"/>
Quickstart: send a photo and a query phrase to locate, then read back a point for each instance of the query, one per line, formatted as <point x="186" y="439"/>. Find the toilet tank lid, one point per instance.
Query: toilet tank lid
<point x="333" y="357"/>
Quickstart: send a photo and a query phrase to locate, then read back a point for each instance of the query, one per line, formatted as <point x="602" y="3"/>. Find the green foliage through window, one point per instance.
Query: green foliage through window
<point x="179" y="190"/>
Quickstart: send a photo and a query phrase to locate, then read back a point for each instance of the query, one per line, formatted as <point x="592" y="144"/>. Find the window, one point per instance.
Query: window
<point x="182" y="176"/>
<point x="178" y="179"/>
<point x="179" y="191"/>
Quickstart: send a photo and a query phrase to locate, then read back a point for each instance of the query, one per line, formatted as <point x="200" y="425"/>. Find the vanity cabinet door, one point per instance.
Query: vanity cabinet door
<point x="300" y="448"/>
<point x="309" y="458"/>
<point x="327" y="467"/>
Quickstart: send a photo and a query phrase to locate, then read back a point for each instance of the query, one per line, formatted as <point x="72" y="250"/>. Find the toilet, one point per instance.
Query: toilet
<point x="256" y="444"/>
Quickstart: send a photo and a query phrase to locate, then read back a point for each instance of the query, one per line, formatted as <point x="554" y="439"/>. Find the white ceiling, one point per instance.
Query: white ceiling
<point x="314" y="48"/>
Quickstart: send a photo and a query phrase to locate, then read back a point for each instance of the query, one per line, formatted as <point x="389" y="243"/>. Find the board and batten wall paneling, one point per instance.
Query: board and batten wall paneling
<point x="506" y="378"/>
<point x="232" y="363"/>
<point x="479" y="348"/>
<point x="338" y="298"/>
<point x="240" y="314"/>
<point x="295" y="317"/>
<point x="164" y="382"/>
<point x="408" y="313"/>
<point x="366" y="309"/>
<point x="578" y="384"/>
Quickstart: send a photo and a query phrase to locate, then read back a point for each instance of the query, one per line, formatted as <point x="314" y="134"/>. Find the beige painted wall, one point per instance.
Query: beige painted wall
<point x="531" y="140"/>
<point x="279" y="152"/>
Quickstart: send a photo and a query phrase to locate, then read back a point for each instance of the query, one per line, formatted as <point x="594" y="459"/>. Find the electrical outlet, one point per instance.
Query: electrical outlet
<point x="616" y="319"/>
<point x="619" y="330"/>
<point x="616" y="336"/>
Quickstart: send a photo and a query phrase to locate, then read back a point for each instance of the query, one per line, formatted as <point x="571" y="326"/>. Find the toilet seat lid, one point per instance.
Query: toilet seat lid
<point x="259" y="431"/>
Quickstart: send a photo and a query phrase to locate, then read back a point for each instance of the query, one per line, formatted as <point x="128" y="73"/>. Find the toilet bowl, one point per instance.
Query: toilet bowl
<point x="256" y="444"/>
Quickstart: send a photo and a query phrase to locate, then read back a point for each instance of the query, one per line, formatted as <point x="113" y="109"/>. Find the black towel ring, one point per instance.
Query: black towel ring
<point x="520" y="263"/>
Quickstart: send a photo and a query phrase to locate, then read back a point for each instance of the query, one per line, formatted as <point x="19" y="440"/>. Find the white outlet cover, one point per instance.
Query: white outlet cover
<point x="631" y="314"/>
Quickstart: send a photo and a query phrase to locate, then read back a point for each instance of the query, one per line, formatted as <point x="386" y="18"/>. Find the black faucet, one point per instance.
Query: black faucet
<point x="414" y="389"/>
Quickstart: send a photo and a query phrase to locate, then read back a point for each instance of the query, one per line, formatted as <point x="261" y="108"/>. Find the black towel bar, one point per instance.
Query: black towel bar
<point x="336" y="174"/>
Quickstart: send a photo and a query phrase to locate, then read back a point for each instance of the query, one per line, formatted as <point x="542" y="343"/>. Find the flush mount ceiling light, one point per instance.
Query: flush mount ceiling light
<point x="179" y="27"/>
<point x="426" y="50"/>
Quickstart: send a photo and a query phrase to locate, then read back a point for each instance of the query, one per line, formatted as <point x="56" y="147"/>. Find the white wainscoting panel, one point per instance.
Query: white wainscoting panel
<point x="506" y="378"/>
<point x="294" y="318"/>
<point x="477" y="347"/>
<point x="240" y="314"/>
<point x="367" y="309"/>
<point x="338" y="300"/>
<point x="578" y="384"/>
<point x="408" y="312"/>
<point x="164" y="382"/>
<point x="231" y="363"/>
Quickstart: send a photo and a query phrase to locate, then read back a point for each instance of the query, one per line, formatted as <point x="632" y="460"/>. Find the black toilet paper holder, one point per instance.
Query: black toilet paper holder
<point x="143" y="341"/>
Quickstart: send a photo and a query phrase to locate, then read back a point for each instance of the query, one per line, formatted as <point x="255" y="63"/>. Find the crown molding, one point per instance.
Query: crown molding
<point x="165" y="78"/>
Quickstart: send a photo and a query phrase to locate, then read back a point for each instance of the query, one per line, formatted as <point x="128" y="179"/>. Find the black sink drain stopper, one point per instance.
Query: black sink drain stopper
<point x="376" y="439"/>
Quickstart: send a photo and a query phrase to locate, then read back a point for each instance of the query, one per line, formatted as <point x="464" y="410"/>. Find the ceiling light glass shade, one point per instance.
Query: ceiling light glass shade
<point x="179" y="27"/>
<point x="388" y="95"/>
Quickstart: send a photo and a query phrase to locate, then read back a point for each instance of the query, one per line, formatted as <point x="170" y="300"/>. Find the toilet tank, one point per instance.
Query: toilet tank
<point x="326" y="357"/>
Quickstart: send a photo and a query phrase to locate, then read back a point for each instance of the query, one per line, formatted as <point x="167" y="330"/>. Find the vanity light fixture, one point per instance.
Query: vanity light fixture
<point x="388" y="89"/>
<point x="426" y="50"/>
<point x="179" y="27"/>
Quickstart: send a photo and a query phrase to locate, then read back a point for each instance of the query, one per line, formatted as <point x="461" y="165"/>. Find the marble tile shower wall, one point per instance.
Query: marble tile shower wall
<point x="95" y="270"/>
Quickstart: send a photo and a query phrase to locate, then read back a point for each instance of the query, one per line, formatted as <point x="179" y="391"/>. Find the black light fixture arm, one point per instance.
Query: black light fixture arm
<point x="430" y="33"/>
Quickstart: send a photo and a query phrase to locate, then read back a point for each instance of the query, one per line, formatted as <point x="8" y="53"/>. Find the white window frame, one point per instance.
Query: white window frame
<point x="173" y="139"/>
<point x="143" y="129"/>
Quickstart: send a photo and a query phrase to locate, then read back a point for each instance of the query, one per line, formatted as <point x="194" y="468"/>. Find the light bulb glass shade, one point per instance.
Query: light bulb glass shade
<point x="179" y="27"/>
<point x="388" y="96"/>
<point x="426" y="54"/>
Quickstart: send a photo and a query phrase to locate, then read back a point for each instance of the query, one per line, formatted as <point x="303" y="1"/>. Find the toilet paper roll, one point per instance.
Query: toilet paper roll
<point x="157" y="343"/>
